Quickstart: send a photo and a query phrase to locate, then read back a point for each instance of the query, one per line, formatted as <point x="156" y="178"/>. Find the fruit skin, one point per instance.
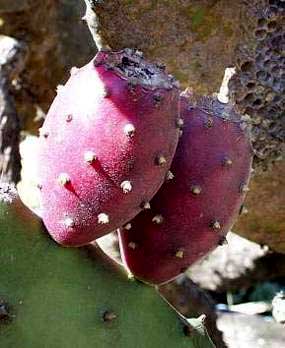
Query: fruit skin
<point x="106" y="144"/>
<point x="63" y="297"/>
<point x="191" y="214"/>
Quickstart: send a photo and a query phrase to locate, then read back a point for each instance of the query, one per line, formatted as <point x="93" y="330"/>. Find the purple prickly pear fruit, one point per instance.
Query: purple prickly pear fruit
<point x="106" y="144"/>
<point x="196" y="207"/>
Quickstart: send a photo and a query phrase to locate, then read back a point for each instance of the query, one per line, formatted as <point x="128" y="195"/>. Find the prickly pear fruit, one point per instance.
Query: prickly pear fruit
<point x="193" y="211"/>
<point x="106" y="144"/>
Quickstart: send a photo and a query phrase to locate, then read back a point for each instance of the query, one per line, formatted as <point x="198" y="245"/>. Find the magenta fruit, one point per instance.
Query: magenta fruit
<point x="196" y="207"/>
<point x="106" y="145"/>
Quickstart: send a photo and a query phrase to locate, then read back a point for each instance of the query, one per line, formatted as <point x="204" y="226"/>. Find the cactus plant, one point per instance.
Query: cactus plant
<point x="62" y="297"/>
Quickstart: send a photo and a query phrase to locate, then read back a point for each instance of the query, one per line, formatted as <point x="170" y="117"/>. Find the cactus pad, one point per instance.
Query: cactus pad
<point x="57" y="297"/>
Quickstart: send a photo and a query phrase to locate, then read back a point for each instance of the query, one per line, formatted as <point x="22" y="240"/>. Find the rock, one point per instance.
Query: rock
<point x="14" y="6"/>
<point x="278" y="305"/>
<point x="263" y="215"/>
<point x="248" y="331"/>
<point x="239" y="264"/>
<point x="57" y="40"/>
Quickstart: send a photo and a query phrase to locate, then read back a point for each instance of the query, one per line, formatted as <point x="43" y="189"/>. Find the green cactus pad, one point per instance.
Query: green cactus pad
<point x="53" y="297"/>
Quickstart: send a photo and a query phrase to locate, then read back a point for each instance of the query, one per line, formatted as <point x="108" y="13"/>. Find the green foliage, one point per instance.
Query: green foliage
<point x="58" y="297"/>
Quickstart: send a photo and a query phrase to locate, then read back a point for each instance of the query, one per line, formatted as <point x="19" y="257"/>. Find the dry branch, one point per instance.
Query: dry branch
<point x="12" y="58"/>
